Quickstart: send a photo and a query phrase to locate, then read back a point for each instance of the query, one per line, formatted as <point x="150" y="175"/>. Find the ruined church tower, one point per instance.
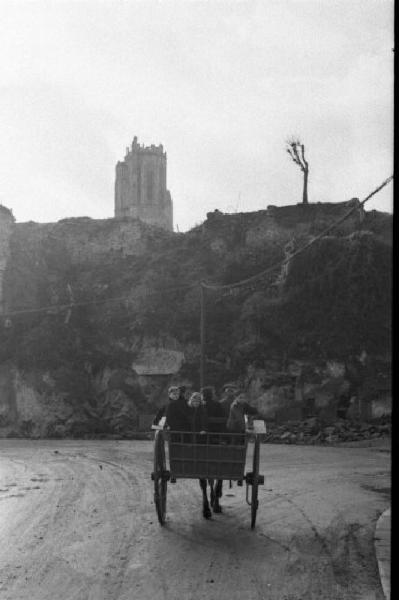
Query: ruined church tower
<point x="140" y="186"/>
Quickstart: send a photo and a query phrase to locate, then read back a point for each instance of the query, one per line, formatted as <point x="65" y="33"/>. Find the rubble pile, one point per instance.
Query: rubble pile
<point x="316" y="431"/>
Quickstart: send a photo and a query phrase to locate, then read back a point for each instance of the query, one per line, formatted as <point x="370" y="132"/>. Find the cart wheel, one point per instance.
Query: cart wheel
<point x="255" y="482"/>
<point x="160" y="477"/>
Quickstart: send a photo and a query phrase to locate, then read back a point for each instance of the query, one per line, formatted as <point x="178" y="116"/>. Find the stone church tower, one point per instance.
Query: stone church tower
<point x="140" y="186"/>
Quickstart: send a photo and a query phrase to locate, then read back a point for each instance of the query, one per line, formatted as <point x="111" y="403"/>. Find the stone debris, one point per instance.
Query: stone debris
<point x="315" y="431"/>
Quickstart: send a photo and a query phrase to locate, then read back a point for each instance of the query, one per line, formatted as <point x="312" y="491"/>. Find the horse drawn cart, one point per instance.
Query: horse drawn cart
<point x="220" y="456"/>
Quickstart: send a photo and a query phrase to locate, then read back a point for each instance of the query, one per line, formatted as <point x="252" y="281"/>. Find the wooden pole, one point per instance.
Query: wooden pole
<point x="202" y="337"/>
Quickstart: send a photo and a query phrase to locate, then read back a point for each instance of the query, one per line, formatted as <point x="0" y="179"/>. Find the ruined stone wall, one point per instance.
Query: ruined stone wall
<point x="40" y="258"/>
<point x="6" y="229"/>
<point x="88" y="240"/>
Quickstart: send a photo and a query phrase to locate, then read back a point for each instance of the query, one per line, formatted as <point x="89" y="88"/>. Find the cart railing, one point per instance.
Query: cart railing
<point x="206" y="455"/>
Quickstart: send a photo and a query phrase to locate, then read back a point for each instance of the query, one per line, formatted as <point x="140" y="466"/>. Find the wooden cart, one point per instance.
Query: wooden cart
<point x="205" y="456"/>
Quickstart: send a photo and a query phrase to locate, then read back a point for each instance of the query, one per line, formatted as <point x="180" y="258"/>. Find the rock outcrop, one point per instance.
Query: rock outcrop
<point x="99" y="317"/>
<point x="315" y="431"/>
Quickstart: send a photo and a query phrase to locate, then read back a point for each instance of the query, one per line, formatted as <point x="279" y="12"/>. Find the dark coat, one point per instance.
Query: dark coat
<point x="178" y="415"/>
<point x="199" y="418"/>
<point x="216" y="417"/>
<point x="236" y="414"/>
<point x="181" y="417"/>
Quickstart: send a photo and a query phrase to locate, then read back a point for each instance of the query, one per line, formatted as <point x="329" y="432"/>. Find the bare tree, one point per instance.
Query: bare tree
<point x="296" y="150"/>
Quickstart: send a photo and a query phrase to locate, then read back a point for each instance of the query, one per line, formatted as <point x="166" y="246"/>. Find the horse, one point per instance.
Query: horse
<point x="216" y="423"/>
<point x="215" y="495"/>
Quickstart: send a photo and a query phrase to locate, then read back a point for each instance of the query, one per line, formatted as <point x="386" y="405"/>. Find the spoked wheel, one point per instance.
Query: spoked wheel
<point x="160" y="477"/>
<point x="255" y="482"/>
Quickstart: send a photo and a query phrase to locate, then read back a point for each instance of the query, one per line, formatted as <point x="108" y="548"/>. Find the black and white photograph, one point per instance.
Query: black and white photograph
<point x="196" y="274"/>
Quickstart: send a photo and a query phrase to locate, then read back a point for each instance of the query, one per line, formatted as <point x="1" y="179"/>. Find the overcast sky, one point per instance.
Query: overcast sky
<point x="221" y="84"/>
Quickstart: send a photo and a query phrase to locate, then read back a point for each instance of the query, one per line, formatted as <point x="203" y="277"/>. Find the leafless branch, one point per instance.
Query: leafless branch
<point x="296" y="150"/>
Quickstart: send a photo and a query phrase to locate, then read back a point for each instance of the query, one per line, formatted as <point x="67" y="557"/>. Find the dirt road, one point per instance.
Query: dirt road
<point x="77" y="522"/>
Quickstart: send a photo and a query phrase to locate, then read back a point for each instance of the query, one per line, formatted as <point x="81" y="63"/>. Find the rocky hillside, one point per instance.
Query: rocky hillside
<point x="118" y="317"/>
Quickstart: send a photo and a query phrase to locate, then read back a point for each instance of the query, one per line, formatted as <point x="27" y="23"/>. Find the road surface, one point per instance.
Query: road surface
<point x="77" y="522"/>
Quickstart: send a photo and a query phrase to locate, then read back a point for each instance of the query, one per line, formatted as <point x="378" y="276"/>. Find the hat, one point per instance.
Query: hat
<point x="231" y="385"/>
<point x="173" y="388"/>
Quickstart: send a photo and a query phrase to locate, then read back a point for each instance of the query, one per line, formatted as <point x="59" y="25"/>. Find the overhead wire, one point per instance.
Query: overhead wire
<point x="255" y="278"/>
<point x="56" y="308"/>
<point x="53" y="308"/>
<point x="286" y="260"/>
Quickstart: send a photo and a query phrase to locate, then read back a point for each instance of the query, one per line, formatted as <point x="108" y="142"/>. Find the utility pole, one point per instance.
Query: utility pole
<point x="202" y="336"/>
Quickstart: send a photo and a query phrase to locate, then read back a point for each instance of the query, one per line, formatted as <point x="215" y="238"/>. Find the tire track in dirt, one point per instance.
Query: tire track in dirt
<point x="125" y="498"/>
<point x="66" y="503"/>
<point x="91" y="532"/>
<point x="342" y="552"/>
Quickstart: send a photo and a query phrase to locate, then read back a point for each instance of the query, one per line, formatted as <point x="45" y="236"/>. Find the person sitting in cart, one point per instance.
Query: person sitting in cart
<point x="186" y="416"/>
<point x="177" y="411"/>
<point x="174" y="392"/>
<point x="229" y="393"/>
<point x="236" y="407"/>
<point x="198" y="414"/>
<point x="239" y="409"/>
